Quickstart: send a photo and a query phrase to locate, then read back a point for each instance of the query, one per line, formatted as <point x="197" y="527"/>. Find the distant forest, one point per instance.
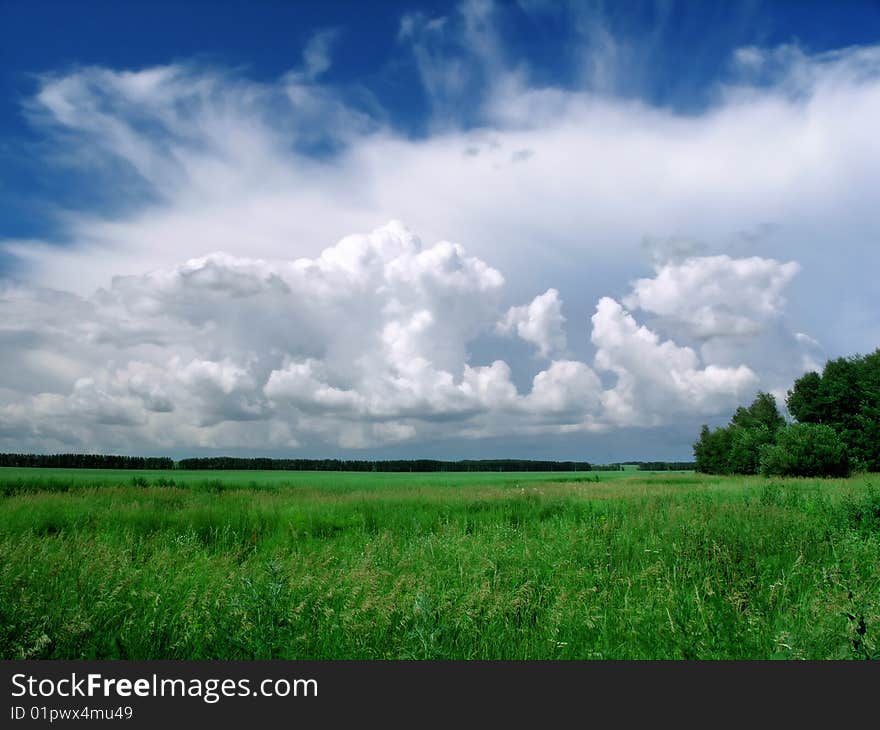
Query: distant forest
<point x="86" y="461"/>
<point x="394" y="465"/>
<point x="103" y="461"/>
<point x="664" y="465"/>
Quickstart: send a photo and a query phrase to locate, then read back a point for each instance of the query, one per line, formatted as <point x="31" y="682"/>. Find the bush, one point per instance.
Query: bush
<point x="806" y="450"/>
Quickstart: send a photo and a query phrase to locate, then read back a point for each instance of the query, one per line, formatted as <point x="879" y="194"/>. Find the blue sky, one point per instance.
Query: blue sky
<point x="572" y="230"/>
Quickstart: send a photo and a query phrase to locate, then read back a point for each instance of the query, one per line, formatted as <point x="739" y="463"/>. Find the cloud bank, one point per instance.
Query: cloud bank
<point x="364" y="345"/>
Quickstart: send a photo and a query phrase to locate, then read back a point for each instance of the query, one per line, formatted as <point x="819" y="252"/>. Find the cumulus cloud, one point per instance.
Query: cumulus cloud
<point x="373" y="329"/>
<point x="363" y="345"/>
<point x="713" y="296"/>
<point x="539" y="323"/>
<point x="567" y="387"/>
<point x="657" y="379"/>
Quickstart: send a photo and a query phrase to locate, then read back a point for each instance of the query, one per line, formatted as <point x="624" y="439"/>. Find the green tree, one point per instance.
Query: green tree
<point x="846" y="397"/>
<point x="803" y="399"/>
<point x="745" y="448"/>
<point x="762" y="412"/>
<point x="806" y="450"/>
<point x="735" y="448"/>
<point x="711" y="451"/>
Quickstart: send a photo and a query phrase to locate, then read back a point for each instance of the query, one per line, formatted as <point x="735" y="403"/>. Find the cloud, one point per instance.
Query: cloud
<point x="657" y="379"/>
<point x="567" y="387"/>
<point x="715" y="296"/>
<point x="732" y="309"/>
<point x="316" y="54"/>
<point x="364" y="345"/>
<point x="539" y="323"/>
<point x="456" y="56"/>
<point x="228" y="163"/>
<point x="373" y="329"/>
<point x="796" y="72"/>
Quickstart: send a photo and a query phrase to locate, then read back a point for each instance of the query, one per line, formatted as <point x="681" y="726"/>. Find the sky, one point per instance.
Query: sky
<point x="525" y="229"/>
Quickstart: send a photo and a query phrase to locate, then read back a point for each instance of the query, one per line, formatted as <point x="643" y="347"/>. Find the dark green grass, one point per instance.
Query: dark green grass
<point x="329" y="565"/>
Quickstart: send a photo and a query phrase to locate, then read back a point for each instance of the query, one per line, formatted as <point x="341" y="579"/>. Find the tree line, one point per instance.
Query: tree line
<point x="218" y="463"/>
<point x="86" y="461"/>
<point x="215" y="463"/>
<point x="388" y="465"/>
<point x="664" y="465"/>
<point x="836" y="427"/>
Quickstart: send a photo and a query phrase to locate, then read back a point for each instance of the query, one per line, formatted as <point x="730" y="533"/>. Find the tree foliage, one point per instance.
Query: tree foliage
<point x="744" y="456"/>
<point x="391" y="465"/>
<point x="762" y="413"/>
<point x="86" y="461"/>
<point x="664" y="465"/>
<point x="837" y="427"/>
<point x="846" y="397"/>
<point x="103" y="461"/>
<point x="806" y="450"/>
<point x="735" y="448"/>
<point x="712" y="450"/>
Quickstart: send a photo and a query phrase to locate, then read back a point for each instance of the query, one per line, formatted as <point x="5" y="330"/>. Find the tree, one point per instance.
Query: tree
<point x="806" y="450"/>
<point x="803" y="399"/>
<point x="844" y="400"/>
<point x="711" y="452"/>
<point x="846" y="397"/>
<point x="745" y="448"/>
<point x="735" y="448"/>
<point x="762" y="412"/>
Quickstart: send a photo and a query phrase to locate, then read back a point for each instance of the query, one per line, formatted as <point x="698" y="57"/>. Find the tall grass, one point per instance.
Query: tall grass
<point x="438" y="566"/>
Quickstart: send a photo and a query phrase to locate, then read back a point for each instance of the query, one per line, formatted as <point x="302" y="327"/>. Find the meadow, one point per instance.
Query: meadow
<point x="330" y="565"/>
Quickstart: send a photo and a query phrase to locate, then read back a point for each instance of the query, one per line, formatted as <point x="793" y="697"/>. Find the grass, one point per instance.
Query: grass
<point x="317" y="565"/>
<point x="15" y="480"/>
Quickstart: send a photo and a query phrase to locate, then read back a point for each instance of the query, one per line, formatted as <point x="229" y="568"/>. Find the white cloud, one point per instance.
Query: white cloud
<point x="567" y="387"/>
<point x="363" y="345"/>
<point x="714" y="296"/>
<point x="224" y="160"/>
<point x="657" y="380"/>
<point x="734" y="308"/>
<point x="539" y="323"/>
<point x="302" y="384"/>
<point x="456" y="57"/>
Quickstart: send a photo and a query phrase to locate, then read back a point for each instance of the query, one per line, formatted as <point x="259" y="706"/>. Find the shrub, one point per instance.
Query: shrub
<point x="805" y="450"/>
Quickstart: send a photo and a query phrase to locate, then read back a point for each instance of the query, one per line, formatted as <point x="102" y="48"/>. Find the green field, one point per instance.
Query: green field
<point x="15" y="480"/>
<point x="329" y="565"/>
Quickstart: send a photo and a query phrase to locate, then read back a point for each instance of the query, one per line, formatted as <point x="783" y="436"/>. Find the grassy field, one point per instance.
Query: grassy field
<point x="16" y="481"/>
<point x="302" y="565"/>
